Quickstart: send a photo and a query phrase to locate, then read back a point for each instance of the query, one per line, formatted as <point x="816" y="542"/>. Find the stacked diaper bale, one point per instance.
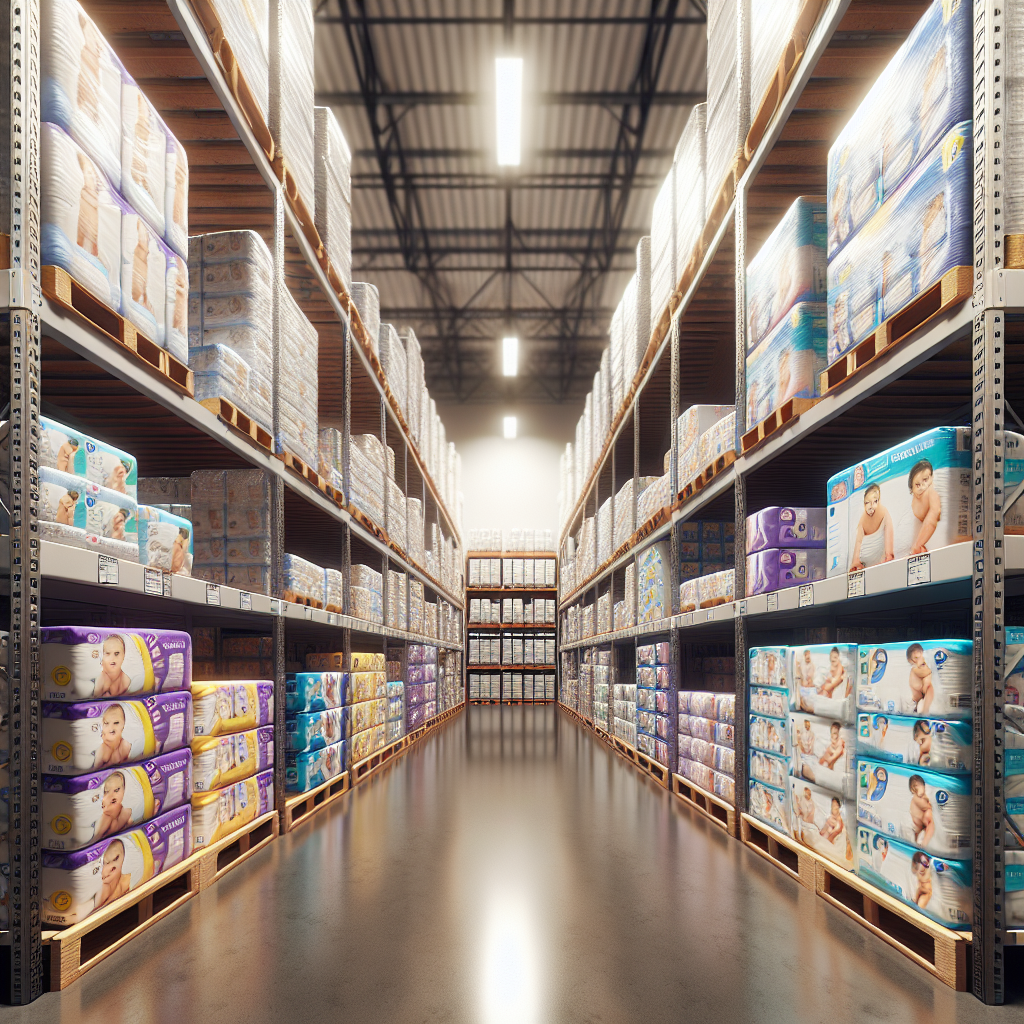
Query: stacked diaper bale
<point x="314" y="722"/>
<point x="709" y="591"/>
<point x="786" y="331"/>
<point x="602" y="686"/>
<point x="900" y="178"/>
<point x="116" y="766"/>
<point x="785" y="548"/>
<point x="114" y="183"/>
<point x="366" y="705"/>
<point x="414" y="529"/>
<point x="366" y="591"/>
<point x="230" y="336"/>
<point x="415" y="386"/>
<point x="298" y="392"/>
<point x="624" y="711"/>
<point x="366" y="300"/>
<point x="586" y="678"/>
<point x="653" y="499"/>
<point x="365" y="484"/>
<point x="604" y="531"/>
<point x="706" y="741"/>
<point x="393" y="362"/>
<point x="332" y="183"/>
<point x="398" y="599"/>
<point x="728" y="105"/>
<point x="626" y="520"/>
<point x="421" y="686"/>
<point x="705" y="547"/>
<point x="234" y="756"/>
<point x="395" y="726"/>
<point x="415" y="606"/>
<point x="305" y="582"/>
<point x="691" y="425"/>
<point x="768" y="698"/>
<point x="87" y="492"/>
<point x="290" y="116"/>
<point x="771" y="29"/>
<point x="717" y="440"/>
<point x="231" y="516"/>
<point x="689" y="166"/>
<point x="653" y="693"/>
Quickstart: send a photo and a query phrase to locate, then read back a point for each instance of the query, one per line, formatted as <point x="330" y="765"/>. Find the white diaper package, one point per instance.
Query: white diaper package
<point x="81" y="84"/>
<point x="942" y="745"/>
<point x="333" y="188"/>
<point x="176" y="197"/>
<point x="82" y="510"/>
<point x="823" y="678"/>
<point x="769" y="768"/>
<point x="824" y="751"/>
<point x="143" y="155"/>
<point x="165" y="540"/>
<point x="366" y="300"/>
<point x="299" y="399"/>
<point x="770" y="734"/>
<point x="923" y="679"/>
<point x="81" y="217"/>
<point x="910" y="498"/>
<point x="930" y="811"/>
<point x="769" y="804"/>
<point x="771" y="701"/>
<point x="143" y="276"/>
<point x="939" y="889"/>
<point x="219" y="372"/>
<point x="290" y="117"/>
<point x="71" y="451"/>
<point x="822" y="821"/>
<point x="769" y="666"/>
<point x="176" y="305"/>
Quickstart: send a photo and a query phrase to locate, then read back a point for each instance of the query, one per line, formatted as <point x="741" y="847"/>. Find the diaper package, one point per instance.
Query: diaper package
<point x="823" y="752"/>
<point x="697" y="420"/>
<point x="165" y="540"/>
<point x="920" y="807"/>
<point x="373" y="661"/>
<point x="789" y="268"/>
<point x="910" y="498"/>
<point x="85" y="737"/>
<point x="366" y="300"/>
<point x="771" y="769"/>
<point x="940" y="889"/>
<point x="314" y="691"/>
<point x="922" y="679"/>
<point x="310" y="730"/>
<point x="81" y="217"/>
<point x="769" y="804"/>
<point x="221" y="373"/>
<point x="924" y="91"/>
<point x="143" y="154"/>
<point x="788" y="362"/>
<point x="290" y="117"/>
<point x="653" y="582"/>
<point x="220" y="761"/>
<point x="312" y="768"/>
<point x="770" y="701"/>
<point x="716" y="588"/>
<point x="88" y="510"/>
<point x="219" y="812"/>
<point x="924" y="229"/>
<point x="87" y="808"/>
<point x="224" y="707"/>
<point x="777" y="527"/>
<point x="92" y="662"/>
<point x="363" y="744"/>
<point x="770" y="666"/>
<point x="822" y="821"/>
<point x="368" y="714"/>
<point x="823" y="679"/>
<point x="333" y="188"/>
<point x="299" y="399"/>
<point x="770" y="735"/>
<point x="77" y="883"/>
<point x="361" y="686"/>
<point x="71" y="451"/>
<point x="326" y="661"/>
<point x="143" y="276"/>
<point x="176" y="198"/>
<point x="175" y="305"/>
<point x="945" y="746"/>
<point x="779" y="568"/>
<point x="717" y="440"/>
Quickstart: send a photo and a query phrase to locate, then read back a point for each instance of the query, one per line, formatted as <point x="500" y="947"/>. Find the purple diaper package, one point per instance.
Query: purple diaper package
<point x="422" y="673"/>
<point x="77" y="883"/>
<point x="778" y="527"/>
<point x="415" y="694"/>
<point x="415" y="716"/>
<point x="779" y="568"/>
<point x="84" y="809"/>
<point x="85" y="737"/>
<point x="93" y="662"/>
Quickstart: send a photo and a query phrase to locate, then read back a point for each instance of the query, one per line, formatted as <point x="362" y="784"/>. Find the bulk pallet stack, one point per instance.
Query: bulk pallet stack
<point x="843" y="505"/>
<point x="266" y="563"/>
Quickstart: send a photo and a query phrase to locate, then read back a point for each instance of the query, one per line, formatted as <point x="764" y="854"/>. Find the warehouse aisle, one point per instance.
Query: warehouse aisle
<point x="509" y="869"/>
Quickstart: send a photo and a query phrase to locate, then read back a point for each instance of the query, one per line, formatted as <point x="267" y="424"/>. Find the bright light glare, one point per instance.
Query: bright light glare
<point x="508" y="80"/>
<point x="510" y="427"/>
<point x="511" y="986"/>
<point x="510" y="356"/>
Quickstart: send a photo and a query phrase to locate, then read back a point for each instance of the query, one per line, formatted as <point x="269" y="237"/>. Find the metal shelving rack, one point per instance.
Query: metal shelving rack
<point x="959" y="358"/>
<point x="58" y="358"/>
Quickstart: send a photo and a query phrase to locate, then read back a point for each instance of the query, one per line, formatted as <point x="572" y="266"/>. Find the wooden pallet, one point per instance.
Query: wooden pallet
<point x="61" y="288"/>
<point x="788" y="412"/>
<point x="307" y="602"/>
<point x="300" y="808"/>
<point x="296" y="465"/>
<point x="655" y="769"/>
<point x="70" y="952"/>
<point x="367" y="524"/>
<point x="230" y="414"/>
<point x="950" y="290"/>
<point x="706" y="475"/>
<point x="720" y="199"/>
<point x="720" y="811"/>
<point x="784" y="852"/>
<point x="1013" y="252"/>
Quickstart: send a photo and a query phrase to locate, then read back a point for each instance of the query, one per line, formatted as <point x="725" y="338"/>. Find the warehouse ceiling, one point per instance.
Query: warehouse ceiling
<point x="466" y="252"/>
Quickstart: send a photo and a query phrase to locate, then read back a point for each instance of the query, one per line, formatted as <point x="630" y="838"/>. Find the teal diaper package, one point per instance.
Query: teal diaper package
<point x="165" y="540"/>
<point x="71" y="451"/>
<point x="922" y="678"/>
<point x="942" y="745"/>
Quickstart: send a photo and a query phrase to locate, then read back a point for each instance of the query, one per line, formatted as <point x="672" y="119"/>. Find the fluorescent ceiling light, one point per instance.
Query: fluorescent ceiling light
<point x="510" y="427"/>
<point x="510" y="356"/>
<point x="508" y="81"/>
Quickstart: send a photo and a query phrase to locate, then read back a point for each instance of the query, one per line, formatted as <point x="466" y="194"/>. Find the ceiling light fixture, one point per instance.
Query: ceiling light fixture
<point x="508" y="81"/>
<point x="510" y="428"/>
<point x="510" y="357"/>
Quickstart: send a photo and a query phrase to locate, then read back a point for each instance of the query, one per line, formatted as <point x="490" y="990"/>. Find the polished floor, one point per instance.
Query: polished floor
<point x="509" y="870"/>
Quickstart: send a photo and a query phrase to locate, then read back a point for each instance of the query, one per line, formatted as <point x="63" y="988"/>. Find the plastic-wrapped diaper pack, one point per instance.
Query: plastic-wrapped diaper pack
<point x="925" y="90"/>
<point x="232" y="706"/>
<point x="940" y="889"/>
<point x="220" y="761"/>
<point x="769" y="804"/>
<point x="246" y="29"/>
<point x="366" y="300"/>
<point x="92" y="662"/>
<point x="770" y="735"/>
<point x="315" y="691"/>
<point x="822" y="680"/>
<point x="82" y="810"/>
<point x="220" y="372"/>
<point x="770" y="667"/>
<point x="779" y="568"/>
<point x="86" y="514"/>
<point x="717" y="440"/>
<point x="789" y="268"/>
<point x="823" y="751"/>
<point x="786" y="527"/>
<point x="311" y="730"/>
<point x="143" y="155"/>
<point x="303" y="581"/>
<point x="90" y="735"/>
<point x="176" y="199"/>
<point x="71" y="451"/>
<point x="219" y="812"/>
<point x="910" y="498"/>
<point x="326" y="661"/>
<point x="299" y="398"/>
<point x="923" y="679"/>
<point x="728" y="117"/>
<point x="769" y="700"/>
<point x="688" y="167"/>
<point x="165" y="540"/>
<point x="144" y="259"/>
<point x="653" y="582"/>
<point x="366" y="685"/>
<point x="311" y="768"/>
<point x="175" y="338"/>
<point x="924" y="229"/>
<point x="823" y="820"/>
<point x="291" y="90"/>
<point x="771" y="769"/>
<point x="716" y="588"/>
<point x="77" y="883"/>
<point x="922" y="808"/>
<point x="934" y="743"/>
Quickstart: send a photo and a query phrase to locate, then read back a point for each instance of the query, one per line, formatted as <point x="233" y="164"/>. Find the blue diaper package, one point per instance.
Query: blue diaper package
<point x="768" y="666"/>
<point x="942" y="745"/>
<point x="314" y="691"/>
<point x="788" y="362"/>
<point x="924" y="91"/>
<point x="74" y="502"/>
<point x="770" y="735"/>
<point x="789" y="268"/>
<point x="939" y="889"/>
<point x="311" y="768"/>
<point x="769" y="768"/>
<point x="72" y="451"/>
<point x="165" y="540"/>
<point x="824" y="752"/>
<point x="924" y="228"/>
<point x="927" y="810"/>
<point x="920" y="679"/>
<point x="315" y="729"/>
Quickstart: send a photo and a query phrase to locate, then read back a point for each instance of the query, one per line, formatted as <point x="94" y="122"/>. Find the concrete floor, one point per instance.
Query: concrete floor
<point x="509" y="869"/>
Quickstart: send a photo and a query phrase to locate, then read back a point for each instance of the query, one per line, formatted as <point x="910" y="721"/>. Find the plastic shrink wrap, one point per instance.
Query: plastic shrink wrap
<point x="333" y="192"/>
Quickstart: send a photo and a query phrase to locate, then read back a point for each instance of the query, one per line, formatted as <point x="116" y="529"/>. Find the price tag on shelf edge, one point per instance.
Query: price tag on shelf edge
<point x="773" y="601"/>
<point x="152" y="582"/>
<point x="245" y="601"/>
<point x="806" y="595"/>
<point x="855" y="584"/>
<point x="332" y="619"/>
<point x="276" y="606"/>
<point x="919" y="569"/>
<point x="167" y="584"/>
<point x="107" y="570"/>
<point x="213" y="594"/>
<point x="308" y="611"/>
<point x="741" y="607"/>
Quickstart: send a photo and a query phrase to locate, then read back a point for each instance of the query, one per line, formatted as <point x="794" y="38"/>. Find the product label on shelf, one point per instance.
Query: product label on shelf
<point x="108" y="572"/>
<point x="919" y="569"/>
<point x="245" y="600"/>
<point x="213" y="594"/>
<point x="276" y="606"/>
<point x="773" y="601"/>
<point x="806" y="595"/>
<point x="332" y="619"/>
<point x="152" y="582"/>
<point x="855" y="584"/>
<point x="741" y="607"/>
<point x="307" y="611"/>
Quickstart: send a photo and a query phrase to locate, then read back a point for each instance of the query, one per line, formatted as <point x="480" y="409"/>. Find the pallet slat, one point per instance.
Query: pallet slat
<point x="720" y="811"/>
<point x="239" y="421"/>
<point x="788" y="412"/>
